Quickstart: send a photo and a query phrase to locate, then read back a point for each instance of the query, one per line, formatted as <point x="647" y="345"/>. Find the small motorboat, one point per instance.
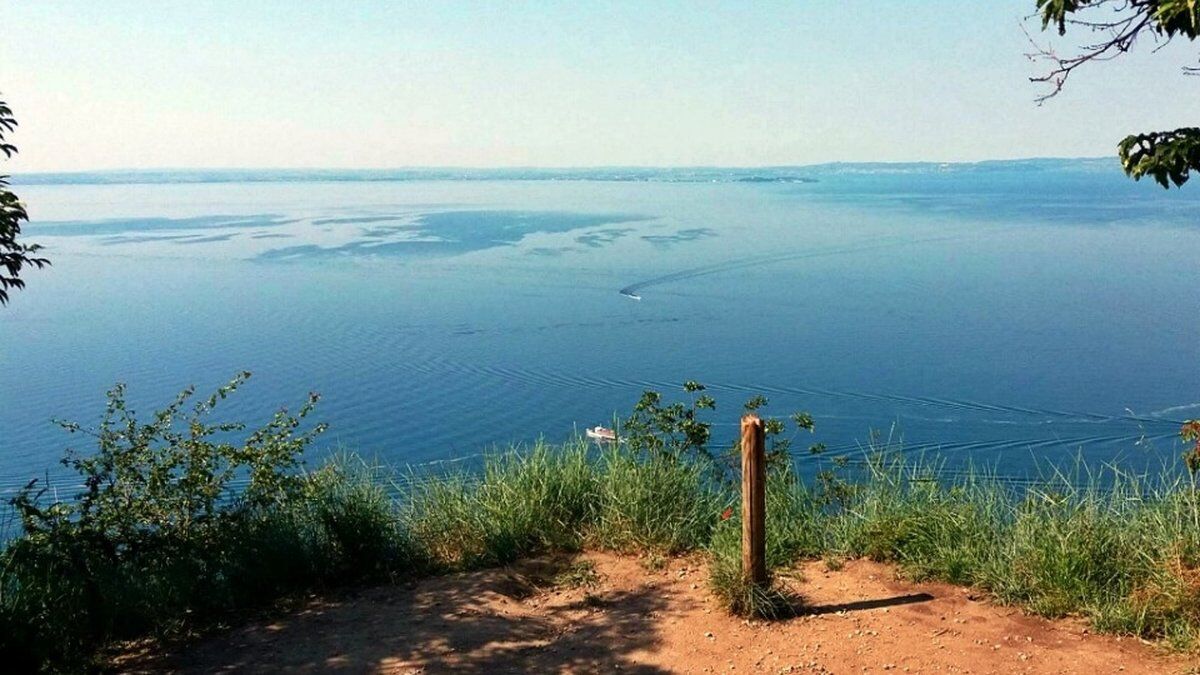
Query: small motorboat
<point x="602" y="434"/>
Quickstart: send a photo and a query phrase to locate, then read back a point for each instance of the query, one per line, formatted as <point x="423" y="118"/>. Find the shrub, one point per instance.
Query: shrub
<point x="162" y="530"/>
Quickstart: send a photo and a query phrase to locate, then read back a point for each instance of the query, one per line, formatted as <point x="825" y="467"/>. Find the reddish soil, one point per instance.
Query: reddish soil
<point x="861" y="619"/>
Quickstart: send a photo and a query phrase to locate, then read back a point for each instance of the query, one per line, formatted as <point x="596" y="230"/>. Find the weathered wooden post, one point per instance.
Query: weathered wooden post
<point x="754" y="500"/>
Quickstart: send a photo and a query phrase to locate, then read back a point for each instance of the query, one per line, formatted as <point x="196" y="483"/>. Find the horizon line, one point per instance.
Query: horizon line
<point x="550" y="168"/>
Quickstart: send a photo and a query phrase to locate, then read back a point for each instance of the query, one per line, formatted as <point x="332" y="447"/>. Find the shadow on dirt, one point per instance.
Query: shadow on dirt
<point x="494" y="621"/>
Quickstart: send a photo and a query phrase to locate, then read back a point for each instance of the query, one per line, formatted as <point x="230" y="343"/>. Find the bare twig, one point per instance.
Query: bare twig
<point x="1120" y="22"/>
<point x="1123" y="35"/>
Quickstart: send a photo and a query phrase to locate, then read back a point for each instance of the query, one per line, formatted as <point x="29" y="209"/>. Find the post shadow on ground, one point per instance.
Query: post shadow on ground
<point x="877" y="603"/>
<point x="792" y="605"/>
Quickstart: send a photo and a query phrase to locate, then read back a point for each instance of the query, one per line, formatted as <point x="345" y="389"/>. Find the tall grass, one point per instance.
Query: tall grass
<point x="1120" y="550"/>
<point x="521" y="503"/>
<point x="655" y="502"/>
<point x="561" y="498"/>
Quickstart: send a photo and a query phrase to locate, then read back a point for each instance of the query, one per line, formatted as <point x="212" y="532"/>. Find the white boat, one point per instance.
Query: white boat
<point x="602" y="434"/>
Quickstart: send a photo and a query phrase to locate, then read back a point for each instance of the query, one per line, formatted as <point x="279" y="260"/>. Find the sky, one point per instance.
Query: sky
<point x="375" y="84"/>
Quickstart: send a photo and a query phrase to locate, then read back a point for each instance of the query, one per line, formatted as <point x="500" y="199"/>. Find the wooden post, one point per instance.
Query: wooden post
<point x="754" y="500"/>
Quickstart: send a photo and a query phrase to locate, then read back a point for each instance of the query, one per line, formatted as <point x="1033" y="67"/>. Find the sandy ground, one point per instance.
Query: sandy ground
<point x="861" y="620"/>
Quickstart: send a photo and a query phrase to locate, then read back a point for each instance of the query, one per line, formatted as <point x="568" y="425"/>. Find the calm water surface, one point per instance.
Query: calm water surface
<point x="999" y="315"/>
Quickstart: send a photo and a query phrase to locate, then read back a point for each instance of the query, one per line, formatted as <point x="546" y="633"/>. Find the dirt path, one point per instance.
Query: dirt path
<point x="632" y="620"/>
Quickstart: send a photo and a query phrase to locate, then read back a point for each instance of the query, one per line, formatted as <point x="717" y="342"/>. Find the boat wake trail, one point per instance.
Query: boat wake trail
<point x="633" y="290"/>
<point x="992" y="413"/>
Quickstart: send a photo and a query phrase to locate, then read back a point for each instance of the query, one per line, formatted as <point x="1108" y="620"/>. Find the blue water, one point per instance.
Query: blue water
<point x="1003" y="313"/>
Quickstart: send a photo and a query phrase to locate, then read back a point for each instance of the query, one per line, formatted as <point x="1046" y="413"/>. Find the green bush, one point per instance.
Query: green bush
<point x="176" y="525"/>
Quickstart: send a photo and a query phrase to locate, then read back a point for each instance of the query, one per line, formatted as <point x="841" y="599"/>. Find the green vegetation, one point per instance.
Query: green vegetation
<point x="14" y="255"/>
<point x="175" y="526"/>
<point x="178" y="529"/>
<point x="1114" y="27"/>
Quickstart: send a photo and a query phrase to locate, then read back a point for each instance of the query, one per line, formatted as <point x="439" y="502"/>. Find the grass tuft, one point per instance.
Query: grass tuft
<point x="731" y="587"/>
<point x="578" y="574"/>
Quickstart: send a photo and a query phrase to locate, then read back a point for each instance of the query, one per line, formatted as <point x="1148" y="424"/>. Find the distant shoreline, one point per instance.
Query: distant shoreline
<point x="810" y="173"/>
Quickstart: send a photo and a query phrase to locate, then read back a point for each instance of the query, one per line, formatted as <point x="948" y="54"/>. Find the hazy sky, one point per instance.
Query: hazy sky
<point x="298" y="83"/>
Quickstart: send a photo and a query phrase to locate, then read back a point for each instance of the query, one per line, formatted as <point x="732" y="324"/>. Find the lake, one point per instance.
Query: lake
<point x="1000" y="314"/>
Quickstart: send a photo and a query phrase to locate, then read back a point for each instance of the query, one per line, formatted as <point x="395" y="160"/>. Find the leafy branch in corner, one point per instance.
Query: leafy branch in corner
<point x="1118" y="26"/>
<point x="14" y="255"/>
